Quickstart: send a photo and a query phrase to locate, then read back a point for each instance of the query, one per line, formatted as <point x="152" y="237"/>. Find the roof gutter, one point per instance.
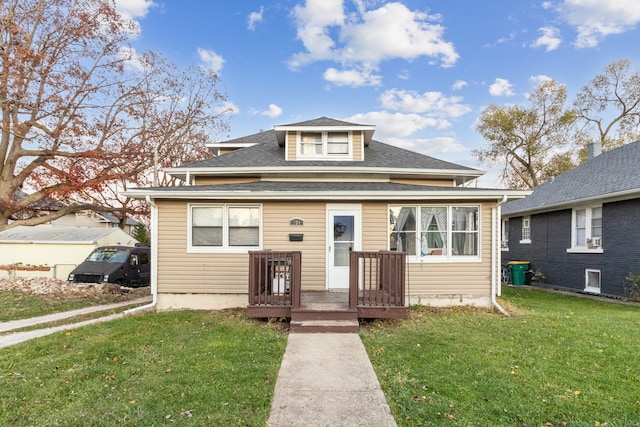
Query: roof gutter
<point x="154" y="261"/>
<point x="609" y="197"/>
<point x="495" y="251"/>
<point x="266" y="170"/>
<point x="430" y="194"/>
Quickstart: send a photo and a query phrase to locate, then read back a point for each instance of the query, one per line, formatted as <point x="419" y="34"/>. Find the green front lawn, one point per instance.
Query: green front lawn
<point x="562" y="361"/>
<point x="172" y="368"/>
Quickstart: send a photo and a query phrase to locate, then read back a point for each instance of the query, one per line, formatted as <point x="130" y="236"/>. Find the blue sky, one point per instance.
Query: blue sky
<point x="421" y="71"/>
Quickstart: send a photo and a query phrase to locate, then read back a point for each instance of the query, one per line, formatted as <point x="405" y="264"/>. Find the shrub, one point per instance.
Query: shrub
<point x="632" y="287"/>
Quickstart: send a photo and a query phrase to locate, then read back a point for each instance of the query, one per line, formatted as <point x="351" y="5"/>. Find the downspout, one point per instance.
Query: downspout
<point x="495" y="251"/>
<point x="154" y="260"/>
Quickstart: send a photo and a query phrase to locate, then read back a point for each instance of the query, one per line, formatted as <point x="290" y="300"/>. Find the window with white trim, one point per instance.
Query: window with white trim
<point x="526" y="230"/>
<point x="324" y="144"/>
<point x="224" y="227"/>
<point x="587" y="228"/>
<point x="504" y="238"/>
<point x="442" y="232"/>
<point x="592" y="280"/>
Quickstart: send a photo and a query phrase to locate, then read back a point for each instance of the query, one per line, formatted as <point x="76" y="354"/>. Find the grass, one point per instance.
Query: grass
<point x="18" y="305"/>
<point x="73" y="319"/>
<point x="563" y="361"/>
<point x="172" y="368"/>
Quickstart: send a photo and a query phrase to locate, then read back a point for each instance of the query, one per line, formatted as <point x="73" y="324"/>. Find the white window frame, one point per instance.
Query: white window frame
<point x="225" y="248"/>
<point x="591" y="289"/>
<point x="577" y="247"/>
<point x="325" y="143"/>
<point x="446" y="256"/>
<point x="504" y="235"/>
<point x="525" y="237"/>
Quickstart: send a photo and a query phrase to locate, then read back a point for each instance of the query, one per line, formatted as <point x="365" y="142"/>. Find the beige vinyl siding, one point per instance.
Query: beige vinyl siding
<point x="213" y="180"/>
<point x="456" y="278"/>
<point x="357" y="146"/>
<point x="374" y="226"/>
<point x="468" y="278"/>
<point x="436" y="182"/>
<point x="182" y="272"/>
<point x="276" y="217"/>
<point x="292" y="145"/>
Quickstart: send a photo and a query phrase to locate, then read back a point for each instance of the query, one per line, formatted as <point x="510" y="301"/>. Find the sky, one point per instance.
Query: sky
<point x="420" y="70"/>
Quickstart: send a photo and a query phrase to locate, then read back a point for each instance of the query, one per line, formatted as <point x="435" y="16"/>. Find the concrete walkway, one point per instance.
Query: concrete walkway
<point x="328" y="380"/>
<point x="324" y="380"/>
<point x="18" y="337"/>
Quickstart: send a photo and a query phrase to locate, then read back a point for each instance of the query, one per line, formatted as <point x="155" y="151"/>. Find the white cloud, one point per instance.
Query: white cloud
<point x="134" y="9"/>
<point x="313" y="22"/>
<point x="354" y="78"/>
<point x="539" y="79"/>
<point x="512" y="35"/>
<point x="550" y="39"/>
<point x="596" y="19"/>
<point x="394" y="31"/>
<point x="431" y="103"/>
<point x="131" y="11"/>
<point x="501" y="87"/>
<point x="430" y="146"/>
<point x="254" y="18"/>
<point x="404" y="75"/>
<point x="227" y="108"/>
<point x="364" y="38"/>
<point x="459" y="84"/>
<point x="394" y="125"/>
<point x="210" y="60"/>
<point x="273" y="111"/>
<point x="133" y="61"/>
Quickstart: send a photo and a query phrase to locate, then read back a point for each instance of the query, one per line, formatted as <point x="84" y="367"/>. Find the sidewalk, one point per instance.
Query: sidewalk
<point x="18" y="337"/>
<point x="324" y="380"/>
<point x="328" y="380"/>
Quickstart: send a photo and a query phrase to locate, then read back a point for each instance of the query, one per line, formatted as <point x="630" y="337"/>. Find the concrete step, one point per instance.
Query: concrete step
<point x="324" y="326"/>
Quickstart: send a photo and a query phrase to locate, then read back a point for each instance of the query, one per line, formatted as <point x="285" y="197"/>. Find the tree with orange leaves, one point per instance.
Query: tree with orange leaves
<point x="82" y="113"/>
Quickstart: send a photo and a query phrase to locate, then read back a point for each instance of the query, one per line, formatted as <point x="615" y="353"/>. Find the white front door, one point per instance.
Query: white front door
<point x="344" y="231"/>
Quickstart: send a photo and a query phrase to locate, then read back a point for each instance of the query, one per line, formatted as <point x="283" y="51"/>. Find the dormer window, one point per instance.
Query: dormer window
<point x="311" y="144"/>
<point x="337" y="143"/>
<point x="324" y="144"/>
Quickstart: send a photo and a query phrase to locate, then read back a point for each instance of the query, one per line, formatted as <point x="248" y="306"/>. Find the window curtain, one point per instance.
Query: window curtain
<point x="404" y="230"/>
<point x="465" y="230"/>
<point x="434" y="229"/>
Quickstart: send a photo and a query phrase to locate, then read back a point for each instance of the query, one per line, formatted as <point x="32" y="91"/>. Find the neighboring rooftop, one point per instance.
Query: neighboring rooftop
<point x="611" y="175"/>
<point x="55" y="234"/>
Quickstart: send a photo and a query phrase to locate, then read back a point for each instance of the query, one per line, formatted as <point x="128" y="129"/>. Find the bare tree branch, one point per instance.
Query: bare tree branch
<point x="79" y="120"/>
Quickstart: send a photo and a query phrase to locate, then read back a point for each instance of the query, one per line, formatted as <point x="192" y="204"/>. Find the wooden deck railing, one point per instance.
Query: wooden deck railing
<point x="377" y="283"/>
<point x="274" y="282"/>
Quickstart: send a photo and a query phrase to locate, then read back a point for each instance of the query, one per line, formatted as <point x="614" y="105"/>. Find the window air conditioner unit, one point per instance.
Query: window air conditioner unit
<point x="594" y="242"/>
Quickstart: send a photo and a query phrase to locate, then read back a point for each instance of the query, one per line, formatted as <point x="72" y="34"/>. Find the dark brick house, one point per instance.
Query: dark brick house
<point x="581" y="229"/>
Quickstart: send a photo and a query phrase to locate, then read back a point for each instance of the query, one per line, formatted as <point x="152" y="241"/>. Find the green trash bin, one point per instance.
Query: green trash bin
<point x="518" y="270"/>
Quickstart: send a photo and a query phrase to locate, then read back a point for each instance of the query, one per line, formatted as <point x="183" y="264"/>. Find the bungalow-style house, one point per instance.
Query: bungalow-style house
<point x="319" y="207"/>
<point x="580" y="229"/>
